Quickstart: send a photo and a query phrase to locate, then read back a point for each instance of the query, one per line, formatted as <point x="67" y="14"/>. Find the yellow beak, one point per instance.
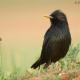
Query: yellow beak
<point x="49" y="17"/>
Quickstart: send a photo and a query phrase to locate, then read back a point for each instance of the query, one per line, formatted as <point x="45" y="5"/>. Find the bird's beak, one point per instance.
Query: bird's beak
<point x="49" y="17"/>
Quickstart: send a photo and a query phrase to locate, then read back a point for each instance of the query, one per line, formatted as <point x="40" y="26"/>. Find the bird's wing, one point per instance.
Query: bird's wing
<point x="46" y="48"/>
<point x="51" y="46"/>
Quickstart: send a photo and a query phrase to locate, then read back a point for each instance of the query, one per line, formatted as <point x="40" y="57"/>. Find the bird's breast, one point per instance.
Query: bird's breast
<point x="59" y="34"/>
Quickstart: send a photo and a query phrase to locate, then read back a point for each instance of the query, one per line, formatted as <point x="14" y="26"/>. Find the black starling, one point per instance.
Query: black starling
<point x="56" y="42"/>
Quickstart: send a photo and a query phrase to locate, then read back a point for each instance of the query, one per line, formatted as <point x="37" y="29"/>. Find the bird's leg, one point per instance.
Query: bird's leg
<point x="47" y="64"/>
<point x="39" y="67"/>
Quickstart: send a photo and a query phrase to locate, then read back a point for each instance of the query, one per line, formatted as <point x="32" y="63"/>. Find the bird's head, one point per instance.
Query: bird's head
<point x="57" y="16"/>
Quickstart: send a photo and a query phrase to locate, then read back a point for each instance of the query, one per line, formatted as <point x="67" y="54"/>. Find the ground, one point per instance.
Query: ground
<point x="65" y="69"/>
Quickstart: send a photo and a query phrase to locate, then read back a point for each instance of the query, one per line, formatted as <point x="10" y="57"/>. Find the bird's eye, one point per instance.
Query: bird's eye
<point x="61" y="18"/>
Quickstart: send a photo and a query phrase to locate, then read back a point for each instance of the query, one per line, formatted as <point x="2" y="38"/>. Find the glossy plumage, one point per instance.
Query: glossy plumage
<point x="56" y="42"/>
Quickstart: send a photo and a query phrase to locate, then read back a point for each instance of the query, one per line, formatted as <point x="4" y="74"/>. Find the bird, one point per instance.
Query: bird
<point x="57" y="40"/>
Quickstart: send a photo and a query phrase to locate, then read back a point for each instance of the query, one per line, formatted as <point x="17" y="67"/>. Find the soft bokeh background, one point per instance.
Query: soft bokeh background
<point x="22" y="27"/>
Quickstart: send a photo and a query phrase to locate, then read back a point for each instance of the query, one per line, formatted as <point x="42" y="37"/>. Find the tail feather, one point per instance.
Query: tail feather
<point x="36" y="64"/>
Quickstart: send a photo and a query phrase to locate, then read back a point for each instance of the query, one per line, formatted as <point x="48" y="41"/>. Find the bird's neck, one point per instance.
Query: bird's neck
<point x="59" y="24"/>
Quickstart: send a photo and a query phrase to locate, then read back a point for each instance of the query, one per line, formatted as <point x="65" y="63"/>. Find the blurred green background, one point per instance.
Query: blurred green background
<point x="22" y="28"/>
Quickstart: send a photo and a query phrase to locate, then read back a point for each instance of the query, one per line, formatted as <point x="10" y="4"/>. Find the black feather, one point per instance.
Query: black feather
<point x="56" y="42"/>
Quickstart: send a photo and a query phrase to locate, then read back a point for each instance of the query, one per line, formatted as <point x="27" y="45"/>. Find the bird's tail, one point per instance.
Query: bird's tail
<point x="36" y="64"/>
